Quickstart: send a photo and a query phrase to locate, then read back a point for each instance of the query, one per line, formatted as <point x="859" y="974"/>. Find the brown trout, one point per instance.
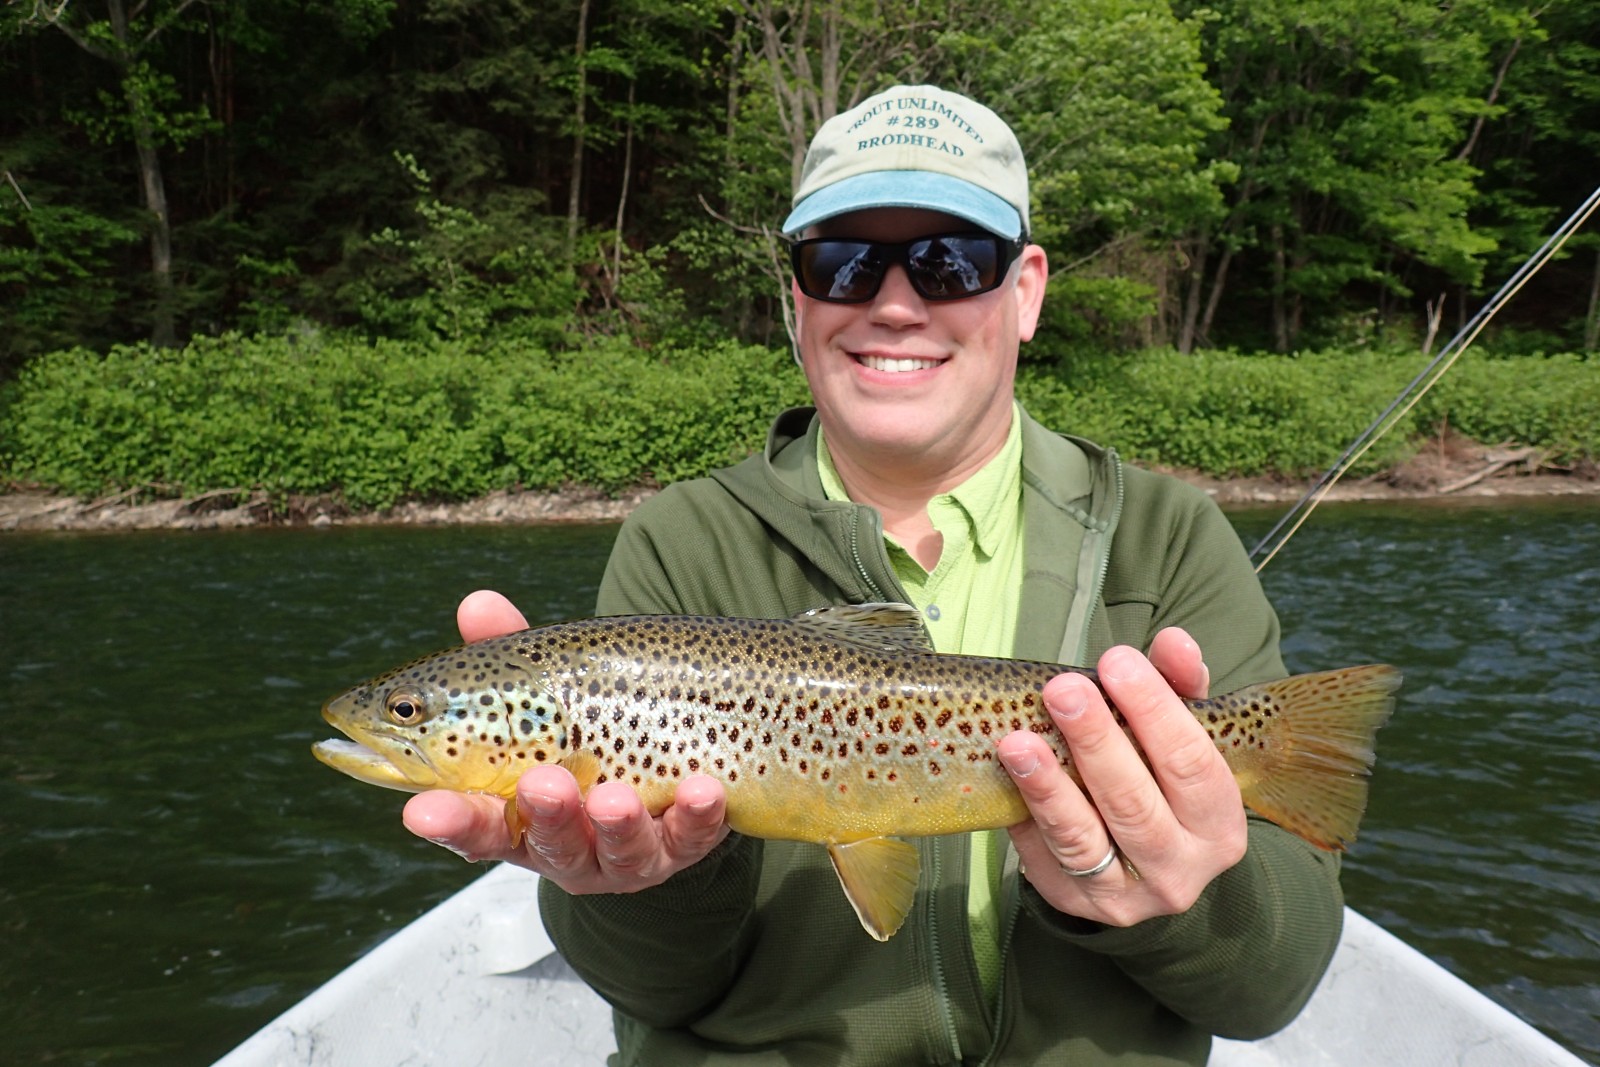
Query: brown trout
<point x="841" y="727"/>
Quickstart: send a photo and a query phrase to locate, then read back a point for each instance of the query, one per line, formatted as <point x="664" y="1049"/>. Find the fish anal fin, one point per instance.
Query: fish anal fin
<point x="879" y="876"/>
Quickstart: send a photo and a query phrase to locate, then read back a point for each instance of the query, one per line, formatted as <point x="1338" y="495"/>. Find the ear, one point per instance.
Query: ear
<point x="1033" y="272"/>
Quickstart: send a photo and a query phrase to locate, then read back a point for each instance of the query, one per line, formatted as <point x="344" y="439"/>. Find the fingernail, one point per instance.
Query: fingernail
<point x="1068" y="705"/>
<point x="444" y="843"/>
<point x="610" y="827"/>
<point x="546" y="807"/>
<point x="1110" y="668"/>
<point x="1020" y="764"/>
<point x="700" y="807"/>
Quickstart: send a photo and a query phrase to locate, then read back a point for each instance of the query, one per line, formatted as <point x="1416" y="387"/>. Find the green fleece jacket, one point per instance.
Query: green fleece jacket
<point x="753" y="955"/>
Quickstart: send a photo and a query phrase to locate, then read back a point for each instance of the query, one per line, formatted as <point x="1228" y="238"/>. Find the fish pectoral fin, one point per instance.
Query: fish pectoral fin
<point x="879" y="876"/>
<point x="514" y="821"/>
<point x="585" y="768"/>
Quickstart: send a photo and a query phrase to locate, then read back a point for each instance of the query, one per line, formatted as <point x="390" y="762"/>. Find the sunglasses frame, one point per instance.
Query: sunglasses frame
<point x="898" y="253"/>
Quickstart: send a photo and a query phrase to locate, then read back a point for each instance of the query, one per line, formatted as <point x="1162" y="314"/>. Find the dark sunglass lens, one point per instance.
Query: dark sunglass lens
<point x="950" y="267"/>
<point x="840" y="270"/>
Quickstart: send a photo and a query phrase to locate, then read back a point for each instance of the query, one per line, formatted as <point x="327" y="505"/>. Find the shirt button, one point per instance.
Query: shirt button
<point x="932" y="611"/>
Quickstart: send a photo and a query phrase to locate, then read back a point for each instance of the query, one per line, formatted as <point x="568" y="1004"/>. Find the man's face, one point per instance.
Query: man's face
<point x="919" y="387"/>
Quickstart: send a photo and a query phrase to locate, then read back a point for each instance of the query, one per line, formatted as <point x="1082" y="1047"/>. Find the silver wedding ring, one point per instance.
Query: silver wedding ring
<point x="1105" y="864"/>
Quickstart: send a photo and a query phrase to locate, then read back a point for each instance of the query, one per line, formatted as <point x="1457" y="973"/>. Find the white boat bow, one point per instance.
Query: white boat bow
<point x="475" y="981"/>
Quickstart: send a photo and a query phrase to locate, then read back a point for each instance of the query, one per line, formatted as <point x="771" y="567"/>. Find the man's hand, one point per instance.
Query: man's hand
<point x="606" y="843"/>
<point x="1176" y="823"/>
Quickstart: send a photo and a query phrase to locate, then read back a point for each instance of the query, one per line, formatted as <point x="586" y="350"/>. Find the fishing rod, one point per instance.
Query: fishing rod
<point x="1429" y="376"/>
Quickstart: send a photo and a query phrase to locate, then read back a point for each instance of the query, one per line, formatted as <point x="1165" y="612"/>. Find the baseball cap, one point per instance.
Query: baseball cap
<point x="915" y="146"/>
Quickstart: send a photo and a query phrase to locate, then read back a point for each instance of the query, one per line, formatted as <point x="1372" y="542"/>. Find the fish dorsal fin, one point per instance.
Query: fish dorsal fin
<point x="893" y="628"/>
<point x="879" y="875"/>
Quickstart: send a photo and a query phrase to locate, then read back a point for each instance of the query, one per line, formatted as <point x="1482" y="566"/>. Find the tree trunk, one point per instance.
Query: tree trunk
<point x="1280" y="283"/>
<point x="163" y="326"/>
<point x="622" y="197"/>
<point x="1591" y="332"/>
<point x="580" y="100"/>
<point x="1214" y="300"/>
<point x="1191" y="298"/>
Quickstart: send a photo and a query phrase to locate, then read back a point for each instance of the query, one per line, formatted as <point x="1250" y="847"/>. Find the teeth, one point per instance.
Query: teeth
<point x="897" y="366"/>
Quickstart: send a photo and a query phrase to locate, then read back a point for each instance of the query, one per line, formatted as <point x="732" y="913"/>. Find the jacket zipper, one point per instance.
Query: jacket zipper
<point x="1013" y="903"/>
<point x="855" y="550"/>
<point x="941" y="988"/>
<point x="1103" y="549"/>
<point x="1014" y="896"/>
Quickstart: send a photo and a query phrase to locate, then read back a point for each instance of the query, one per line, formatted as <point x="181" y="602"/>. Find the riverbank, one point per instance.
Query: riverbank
<point x="1457" y="468"/>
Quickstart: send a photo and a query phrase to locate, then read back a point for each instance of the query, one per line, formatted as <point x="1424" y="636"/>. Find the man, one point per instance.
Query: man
<point x="1128" y="920"/>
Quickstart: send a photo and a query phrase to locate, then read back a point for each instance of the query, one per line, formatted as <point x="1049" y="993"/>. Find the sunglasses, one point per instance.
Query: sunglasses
<point x="946" y="266"/>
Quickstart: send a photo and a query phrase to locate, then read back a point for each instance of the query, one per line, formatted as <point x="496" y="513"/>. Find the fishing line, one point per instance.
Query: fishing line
<point x="1429" y="376"/>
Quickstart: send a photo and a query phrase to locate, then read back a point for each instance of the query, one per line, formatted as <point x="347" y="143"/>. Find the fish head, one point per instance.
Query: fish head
<point x="470" y="719"/>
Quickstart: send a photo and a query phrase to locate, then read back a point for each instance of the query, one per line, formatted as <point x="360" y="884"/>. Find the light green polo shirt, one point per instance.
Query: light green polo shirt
<point x="969" y="602"/>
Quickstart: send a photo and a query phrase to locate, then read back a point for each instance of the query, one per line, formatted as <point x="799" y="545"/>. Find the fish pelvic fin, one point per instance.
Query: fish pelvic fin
<point x="879" y="876"/>
<point x="1311" y="778"/>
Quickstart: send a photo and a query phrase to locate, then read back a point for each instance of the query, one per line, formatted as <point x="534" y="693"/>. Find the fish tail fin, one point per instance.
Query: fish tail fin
<point x="1309" y="772"/>
<point x="879" y="876"/>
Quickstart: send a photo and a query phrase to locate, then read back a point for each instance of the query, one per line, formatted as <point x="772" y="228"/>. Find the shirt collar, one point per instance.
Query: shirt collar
<point x="982" y="497"/>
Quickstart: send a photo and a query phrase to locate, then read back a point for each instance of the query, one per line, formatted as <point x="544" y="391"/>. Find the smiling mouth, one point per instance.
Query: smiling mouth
<point x="896" y="366"/>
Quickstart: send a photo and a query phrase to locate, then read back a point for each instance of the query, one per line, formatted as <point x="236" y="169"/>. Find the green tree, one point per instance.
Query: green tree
<point x="149" y="112"/>
<point x="1111" y="103"/>
<point x="1346" y="123"/>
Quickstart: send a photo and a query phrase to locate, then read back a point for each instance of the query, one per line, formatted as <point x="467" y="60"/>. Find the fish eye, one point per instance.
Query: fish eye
<point x="405" y="707"/>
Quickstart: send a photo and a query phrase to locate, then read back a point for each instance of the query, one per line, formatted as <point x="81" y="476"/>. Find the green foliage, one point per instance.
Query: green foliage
<point x="1223" y="173"/>
<point x="380" y="422"/>
<point x="384" y="421"/>
<point x="462" y="277"/>
<point x="54" y="279"/>
<point x="1230" y="414"/>
<point x="1550" y="402"/>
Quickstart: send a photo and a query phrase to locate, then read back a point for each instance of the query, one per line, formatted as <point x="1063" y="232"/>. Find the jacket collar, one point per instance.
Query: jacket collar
<point x="1072" y="497"/>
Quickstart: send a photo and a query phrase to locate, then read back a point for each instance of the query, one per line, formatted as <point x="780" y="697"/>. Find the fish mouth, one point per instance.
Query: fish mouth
<point x="363" y="764"/>
<point x="361" y="757"/>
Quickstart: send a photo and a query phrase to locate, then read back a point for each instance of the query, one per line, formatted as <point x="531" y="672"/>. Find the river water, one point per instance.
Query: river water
<point x="175" y="868"/>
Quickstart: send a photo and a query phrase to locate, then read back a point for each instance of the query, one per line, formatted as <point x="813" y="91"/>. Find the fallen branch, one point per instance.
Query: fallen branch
<point x="190" y="503"/>
<point x="1500" y="462"/>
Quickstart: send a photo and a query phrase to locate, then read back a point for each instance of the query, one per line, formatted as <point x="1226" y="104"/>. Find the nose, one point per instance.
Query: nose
<point x="898" y="304"/>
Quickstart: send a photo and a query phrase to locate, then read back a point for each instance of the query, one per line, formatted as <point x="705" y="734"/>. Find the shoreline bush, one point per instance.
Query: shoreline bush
<point x="379" y="422"/>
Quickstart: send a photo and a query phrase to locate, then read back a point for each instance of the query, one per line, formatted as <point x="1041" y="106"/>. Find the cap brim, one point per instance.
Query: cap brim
<point x="906" y="188"/>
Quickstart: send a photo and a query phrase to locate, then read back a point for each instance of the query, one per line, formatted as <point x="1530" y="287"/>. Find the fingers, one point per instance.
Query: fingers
<point x="470" y="825"/>
<point x="1066" y="831"/>
<point x="1195" y="793"/>
<point x="486" y="613"/>
<point x="1175" y="654"/>
<point x="1172" y="812"/>
<point x="697" y="821"/>
<point x="605" y="843"/>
